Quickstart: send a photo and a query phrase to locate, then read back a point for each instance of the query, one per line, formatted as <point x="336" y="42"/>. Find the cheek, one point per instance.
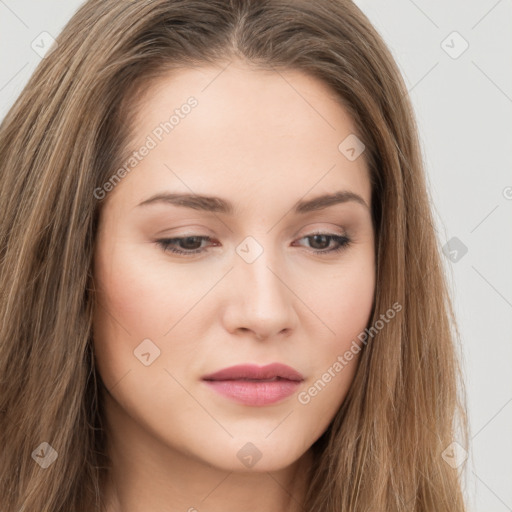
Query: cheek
<point x="138" y="297"/>
<point x="344" y="301"/>
<point x="344" y="308"/>
<point x="144" y="297"/>
<point x="127" y="309"/>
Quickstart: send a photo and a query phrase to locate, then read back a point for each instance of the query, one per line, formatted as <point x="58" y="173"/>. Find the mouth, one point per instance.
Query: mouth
<point x="273" y="379"/>
<point x="252" y="372"/>
<point x="253" y="385"/>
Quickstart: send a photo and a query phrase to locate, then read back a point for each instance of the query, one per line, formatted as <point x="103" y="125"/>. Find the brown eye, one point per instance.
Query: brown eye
<point x="324" y="240"/>
<point x="183" y="245"/>
<point x="190" y="242"/>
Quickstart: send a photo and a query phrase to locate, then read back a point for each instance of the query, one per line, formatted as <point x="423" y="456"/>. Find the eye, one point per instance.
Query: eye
<point x="192" y="244"/>
<point x="189" y="244"/>
<point x="325" y="239"/>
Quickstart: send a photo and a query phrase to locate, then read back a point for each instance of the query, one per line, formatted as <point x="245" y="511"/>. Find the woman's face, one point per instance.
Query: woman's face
<point x="253" y="284"/>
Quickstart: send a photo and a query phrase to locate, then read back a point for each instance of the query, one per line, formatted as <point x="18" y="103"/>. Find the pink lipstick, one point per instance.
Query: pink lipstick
<point x="254" y="385"/>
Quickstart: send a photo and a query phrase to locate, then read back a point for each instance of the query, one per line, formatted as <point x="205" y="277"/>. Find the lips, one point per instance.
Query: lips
<point x="249" y="372"/>
<point x="252" y="385"/>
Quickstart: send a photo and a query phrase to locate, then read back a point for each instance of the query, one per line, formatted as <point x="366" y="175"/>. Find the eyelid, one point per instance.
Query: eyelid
<point x="343" y="241"/>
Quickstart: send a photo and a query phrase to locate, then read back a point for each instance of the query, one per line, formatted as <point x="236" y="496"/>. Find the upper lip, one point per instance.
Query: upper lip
<point x="255" y="372"/>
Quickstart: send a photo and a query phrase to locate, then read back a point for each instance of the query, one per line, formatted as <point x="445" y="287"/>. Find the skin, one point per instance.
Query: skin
<point x="256" y="141"/>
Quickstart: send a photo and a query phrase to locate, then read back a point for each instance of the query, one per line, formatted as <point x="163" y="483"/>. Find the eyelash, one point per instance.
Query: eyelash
<point x="167" y="244"/>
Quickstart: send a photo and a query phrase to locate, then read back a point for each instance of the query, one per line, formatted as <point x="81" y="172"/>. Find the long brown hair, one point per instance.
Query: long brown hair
<point x="67" y="134"/>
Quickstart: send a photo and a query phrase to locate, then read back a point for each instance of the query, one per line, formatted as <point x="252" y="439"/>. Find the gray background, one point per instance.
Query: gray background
<point x="463" y="107"/>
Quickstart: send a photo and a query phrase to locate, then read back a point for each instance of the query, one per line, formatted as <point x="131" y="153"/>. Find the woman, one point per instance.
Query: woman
<point x="221" y="285"/>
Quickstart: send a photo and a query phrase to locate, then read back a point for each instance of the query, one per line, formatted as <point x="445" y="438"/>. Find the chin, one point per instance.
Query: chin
<point x="258" y="456"/>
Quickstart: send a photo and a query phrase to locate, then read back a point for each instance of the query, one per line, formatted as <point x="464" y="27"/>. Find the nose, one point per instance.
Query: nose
<point x="260" y="300"/>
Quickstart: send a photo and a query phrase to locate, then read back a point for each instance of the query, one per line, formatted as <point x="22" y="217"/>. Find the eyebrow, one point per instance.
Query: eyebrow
<point x="219" y="205"/>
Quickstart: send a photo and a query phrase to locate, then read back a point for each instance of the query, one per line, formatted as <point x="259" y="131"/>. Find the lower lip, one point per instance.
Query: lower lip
<point x="254" y="393"/>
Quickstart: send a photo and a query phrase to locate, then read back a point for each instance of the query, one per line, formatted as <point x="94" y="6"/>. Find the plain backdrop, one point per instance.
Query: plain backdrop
<point x="456" y="59"/>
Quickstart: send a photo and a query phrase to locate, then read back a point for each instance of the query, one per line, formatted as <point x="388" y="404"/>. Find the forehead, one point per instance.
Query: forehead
<point x="274" y="132"/>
